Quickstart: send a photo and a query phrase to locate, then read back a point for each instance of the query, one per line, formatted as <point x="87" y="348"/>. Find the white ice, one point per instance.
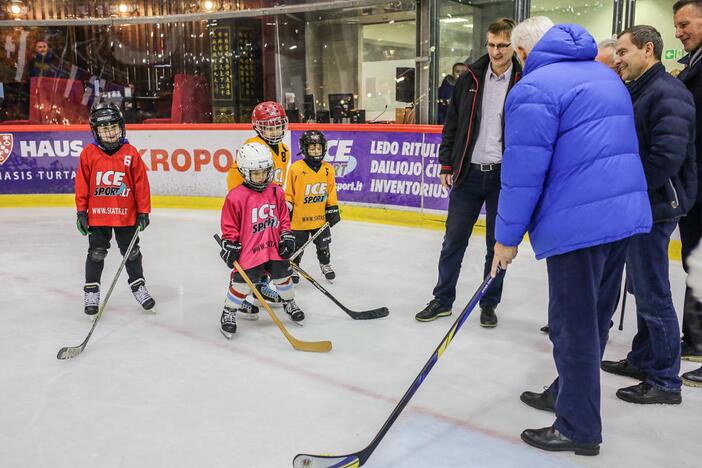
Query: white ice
<point x="165" y="389"/>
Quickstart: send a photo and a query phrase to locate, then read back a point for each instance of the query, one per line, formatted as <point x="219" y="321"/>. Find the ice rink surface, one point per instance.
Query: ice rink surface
<point x="166" y="389"/>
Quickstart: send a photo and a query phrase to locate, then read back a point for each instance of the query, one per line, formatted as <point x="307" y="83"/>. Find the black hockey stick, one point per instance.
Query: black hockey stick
<point x="359" y="458"/>
<point x="73" y="351"/>
<point x="299" y="251"/>
<point x="356" y="315"/>
<point x="621" y="316"/>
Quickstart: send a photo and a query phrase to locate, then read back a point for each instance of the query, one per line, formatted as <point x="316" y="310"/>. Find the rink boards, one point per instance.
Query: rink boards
<point x="384" y="173"/>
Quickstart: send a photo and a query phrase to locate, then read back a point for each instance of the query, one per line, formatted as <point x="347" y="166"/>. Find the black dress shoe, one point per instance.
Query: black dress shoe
<point x="690" y="353"/>
<point x="622" y="368"/>
<point x="488" y="318"/>
<point x="692" y="378"/>
<point x="646" y="394"/>
<point x="542" y="401"/>
<point x="433" y="311"/>
<point x="550" y="439"/>
<point x="544" y="329"/>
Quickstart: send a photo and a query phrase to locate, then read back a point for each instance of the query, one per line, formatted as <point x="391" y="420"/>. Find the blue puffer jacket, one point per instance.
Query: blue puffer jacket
<point x="571" y="172"/>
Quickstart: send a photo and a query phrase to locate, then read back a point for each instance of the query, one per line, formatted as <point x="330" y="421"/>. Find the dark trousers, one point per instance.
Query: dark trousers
<point x="465" y="202"/>
<point x="583" y="288"/>
<point x="690" y="234"/>
<point x="656" y="346"/>
<point x="321" y="242"/>
<point x="99" y="242"/>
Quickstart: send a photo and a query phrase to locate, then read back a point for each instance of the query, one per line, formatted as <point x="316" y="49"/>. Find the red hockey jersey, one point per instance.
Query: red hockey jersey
<point x="112" y="189"/>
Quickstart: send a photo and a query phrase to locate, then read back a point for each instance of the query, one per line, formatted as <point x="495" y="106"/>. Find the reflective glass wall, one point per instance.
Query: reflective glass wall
<point x="213" y="60"/>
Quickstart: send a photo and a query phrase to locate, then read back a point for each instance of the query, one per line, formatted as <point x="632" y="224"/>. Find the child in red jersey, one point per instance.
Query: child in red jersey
<point x="256" y="232"/>
<point x="112" y="193"/>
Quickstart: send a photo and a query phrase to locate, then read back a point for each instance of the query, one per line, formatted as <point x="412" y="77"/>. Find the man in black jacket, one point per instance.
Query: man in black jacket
<point x="664" y="112"/>
<point x="688" y="28"/>
<point x="470" y="156"/>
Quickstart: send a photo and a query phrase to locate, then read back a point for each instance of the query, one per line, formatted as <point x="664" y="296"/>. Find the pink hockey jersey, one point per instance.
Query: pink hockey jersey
<point x="255" y="219"/>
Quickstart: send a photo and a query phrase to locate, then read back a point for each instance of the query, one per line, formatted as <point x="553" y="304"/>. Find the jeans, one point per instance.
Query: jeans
<point x="465" y="202"/>
<point x="656" y="346"/>
<point x="583" y="290"/>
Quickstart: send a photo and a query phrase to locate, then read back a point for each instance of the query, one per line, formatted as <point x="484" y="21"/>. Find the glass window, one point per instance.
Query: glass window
<point x="462" y="33"/>
<point x="593" y="15"/>
<point x="659" y="14"/>
<point x="355" y="63"/>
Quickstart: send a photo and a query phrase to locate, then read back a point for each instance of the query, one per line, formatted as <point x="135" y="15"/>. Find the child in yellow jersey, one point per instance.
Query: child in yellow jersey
<point x="311" y="198"/>
<point x="270" y="122"/>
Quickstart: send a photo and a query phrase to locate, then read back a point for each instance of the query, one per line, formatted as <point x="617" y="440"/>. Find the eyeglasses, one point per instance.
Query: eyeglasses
<point x="501" y="46"/>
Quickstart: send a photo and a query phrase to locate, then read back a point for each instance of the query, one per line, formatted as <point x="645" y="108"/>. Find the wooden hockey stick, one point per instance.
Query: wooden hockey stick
<point x="312" y="346"/>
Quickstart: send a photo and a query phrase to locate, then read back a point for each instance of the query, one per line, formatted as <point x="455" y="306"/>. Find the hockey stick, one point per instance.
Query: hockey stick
<point x="299" y="251"/>
<point x="360" y="315"/>
<point x="313" y="346"/>
<point x="621" y="316"/>
<point x="73" y="351"/>
<point x="359" y="458"/>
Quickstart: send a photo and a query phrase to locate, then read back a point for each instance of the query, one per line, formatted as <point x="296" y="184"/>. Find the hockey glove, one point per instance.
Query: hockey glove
<point x="142" y="221"/>
<point x="230" y="252"/>
<point x="286" y="246"/>
<point x="332" y="215"/>
<point x="82" y="223"/>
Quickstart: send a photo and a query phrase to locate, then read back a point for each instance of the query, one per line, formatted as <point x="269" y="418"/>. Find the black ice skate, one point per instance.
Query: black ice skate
<point x="327" y="271"/>
<point x="91" y="298"/>
<point x="268" y="293"/>
<point x="248" y="311"/>
<point x="141" y="294"/>
<point x="291" y="308"/>
<point x="228" y="322"/>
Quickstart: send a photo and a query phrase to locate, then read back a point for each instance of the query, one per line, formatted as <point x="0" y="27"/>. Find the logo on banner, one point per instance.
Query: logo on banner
<point x="342" y="160"/>
<point x="6" y="143"/>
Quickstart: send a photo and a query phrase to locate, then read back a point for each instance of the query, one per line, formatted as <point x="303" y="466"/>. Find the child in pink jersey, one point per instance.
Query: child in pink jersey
<point x="256" y="232"/>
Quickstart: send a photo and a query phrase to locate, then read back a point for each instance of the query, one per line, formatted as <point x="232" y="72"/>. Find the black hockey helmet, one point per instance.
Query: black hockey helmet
<point x="107" y="124"/>
<point x="313" y="137"/>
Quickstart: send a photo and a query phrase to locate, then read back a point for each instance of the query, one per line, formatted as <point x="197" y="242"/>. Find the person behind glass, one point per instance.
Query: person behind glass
<point x="573" y="179"/>
<point x="43" y="63"/>
<point x="665" y="125"/>
<point x="688" y="29"/>
<point x="446" y="90"/>
<point x="470" y="155"/>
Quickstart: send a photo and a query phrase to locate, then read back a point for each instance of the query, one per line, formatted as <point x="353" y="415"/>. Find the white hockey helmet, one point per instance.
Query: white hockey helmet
<point x="255" y="157"/>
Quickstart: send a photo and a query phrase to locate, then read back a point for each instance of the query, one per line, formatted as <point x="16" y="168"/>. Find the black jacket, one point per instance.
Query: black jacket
<point x="463" y="117"/>
<point x="692" y="77"/>
<point x="665" y="125"/>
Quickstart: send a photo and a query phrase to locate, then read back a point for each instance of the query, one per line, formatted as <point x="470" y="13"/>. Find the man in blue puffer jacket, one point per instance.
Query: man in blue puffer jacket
<point x="572" y="178"/>
<point x="665" y="123"/>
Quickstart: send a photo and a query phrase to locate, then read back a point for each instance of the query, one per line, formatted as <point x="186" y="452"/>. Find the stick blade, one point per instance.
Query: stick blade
<point x="312" y="346"/>
<point x="326" y="461"/>
<point x="370" y="314"/>
<point x="69" y="352"/>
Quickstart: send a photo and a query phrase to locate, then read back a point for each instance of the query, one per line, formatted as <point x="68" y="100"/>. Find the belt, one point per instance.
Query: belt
<point x="486" y="167"/>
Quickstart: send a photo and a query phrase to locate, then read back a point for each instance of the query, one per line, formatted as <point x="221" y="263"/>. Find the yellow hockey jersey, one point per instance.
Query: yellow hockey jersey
<point x="281" y="162"/>
<point x="310" y="192"/>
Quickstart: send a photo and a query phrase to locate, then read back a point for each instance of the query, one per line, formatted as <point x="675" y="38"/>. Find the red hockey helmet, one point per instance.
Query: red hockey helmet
<point x="269" y="121"/>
